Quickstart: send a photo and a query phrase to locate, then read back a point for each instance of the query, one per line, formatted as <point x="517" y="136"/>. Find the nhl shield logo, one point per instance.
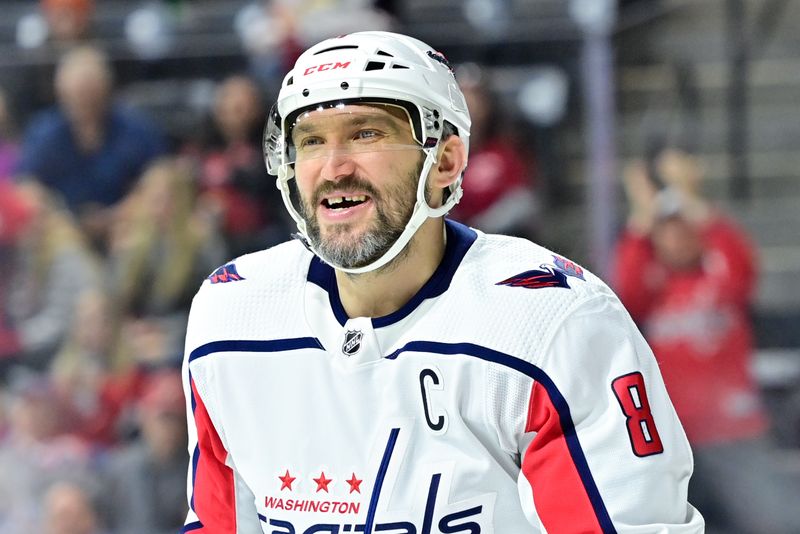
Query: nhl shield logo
<point x="352" y="342"/>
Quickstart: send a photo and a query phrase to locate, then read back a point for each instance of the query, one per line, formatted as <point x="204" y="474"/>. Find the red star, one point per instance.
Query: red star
<point x="355" y="484"/>
<point x="286" y="481"/>
<point x="322" y="482"/>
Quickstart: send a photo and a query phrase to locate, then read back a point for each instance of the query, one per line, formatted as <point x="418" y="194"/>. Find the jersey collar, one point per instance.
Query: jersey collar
<point x="459" y="240"/>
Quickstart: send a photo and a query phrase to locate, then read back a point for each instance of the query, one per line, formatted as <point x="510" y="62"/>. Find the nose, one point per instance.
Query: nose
<point x="337" y="164"/>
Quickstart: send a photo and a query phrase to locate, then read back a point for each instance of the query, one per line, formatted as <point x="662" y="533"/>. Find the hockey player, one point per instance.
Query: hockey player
<point x="405" y="374"/>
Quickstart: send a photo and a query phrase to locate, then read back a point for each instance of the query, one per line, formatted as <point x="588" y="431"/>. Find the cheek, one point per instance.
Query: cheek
<point x="305" y="184"/>
<point x="399" y="173"/>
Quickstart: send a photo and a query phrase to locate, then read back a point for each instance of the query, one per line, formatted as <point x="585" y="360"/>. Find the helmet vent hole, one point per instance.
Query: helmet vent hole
<point x="398" y="66"/>
<point x="344" y="85"/>
<point x="375" y="65"/>
<point x="290" y="81"/>
<point x="382" y="53"/>
<point x="331" y="49"/>
<point x="306" y="92"/>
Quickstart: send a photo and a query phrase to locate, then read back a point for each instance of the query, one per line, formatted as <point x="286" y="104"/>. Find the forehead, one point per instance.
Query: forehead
<point x="346" y="115"/>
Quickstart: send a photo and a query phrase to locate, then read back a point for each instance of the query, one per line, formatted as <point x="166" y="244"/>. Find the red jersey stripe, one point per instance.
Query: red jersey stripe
<point x="549" y="468"/>
<point x="214" y="492"/>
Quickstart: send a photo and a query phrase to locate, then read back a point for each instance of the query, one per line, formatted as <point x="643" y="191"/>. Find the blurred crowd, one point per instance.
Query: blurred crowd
<point x="106" y="232"/>
<point x="109" y="224"/>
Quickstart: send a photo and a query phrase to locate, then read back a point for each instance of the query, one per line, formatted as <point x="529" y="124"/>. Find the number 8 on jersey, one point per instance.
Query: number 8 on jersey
<point x="632" y="397"/>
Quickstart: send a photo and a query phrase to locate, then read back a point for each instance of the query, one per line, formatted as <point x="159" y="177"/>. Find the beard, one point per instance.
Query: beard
<point x="341" y="246"/>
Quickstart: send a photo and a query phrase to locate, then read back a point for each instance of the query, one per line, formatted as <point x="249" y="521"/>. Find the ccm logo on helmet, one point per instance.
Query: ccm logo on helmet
<point x="326" y="66"/>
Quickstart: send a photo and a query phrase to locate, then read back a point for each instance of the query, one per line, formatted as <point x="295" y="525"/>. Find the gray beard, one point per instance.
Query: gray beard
<point x="353" y="254"/>
<point x="389" y="224"/>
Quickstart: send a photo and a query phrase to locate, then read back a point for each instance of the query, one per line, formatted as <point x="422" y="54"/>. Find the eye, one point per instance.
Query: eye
<point x="310" y="141"/>
<point x="367" y="134"/>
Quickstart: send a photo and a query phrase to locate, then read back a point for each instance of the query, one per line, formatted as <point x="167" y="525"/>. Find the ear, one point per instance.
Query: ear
<point x="450" y="163"/>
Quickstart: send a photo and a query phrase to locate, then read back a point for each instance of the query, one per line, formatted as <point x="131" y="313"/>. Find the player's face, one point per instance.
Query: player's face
<point x="357" y="169"/>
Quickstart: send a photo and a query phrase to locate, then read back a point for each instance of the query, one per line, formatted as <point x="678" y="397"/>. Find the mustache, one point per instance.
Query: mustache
<point x="351" y="183"/>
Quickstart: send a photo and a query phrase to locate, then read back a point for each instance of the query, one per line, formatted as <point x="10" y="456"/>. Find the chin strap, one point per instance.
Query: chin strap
<point x="422" y="211"/>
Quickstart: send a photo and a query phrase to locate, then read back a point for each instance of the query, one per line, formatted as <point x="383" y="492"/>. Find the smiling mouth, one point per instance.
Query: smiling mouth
<point x="343" y="202"/>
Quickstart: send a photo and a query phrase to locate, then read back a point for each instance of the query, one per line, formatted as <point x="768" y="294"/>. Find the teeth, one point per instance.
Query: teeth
<point x="338" y="200"/>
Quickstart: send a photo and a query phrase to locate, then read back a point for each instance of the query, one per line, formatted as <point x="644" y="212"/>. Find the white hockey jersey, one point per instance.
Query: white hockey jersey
<point x="512" y="394"/>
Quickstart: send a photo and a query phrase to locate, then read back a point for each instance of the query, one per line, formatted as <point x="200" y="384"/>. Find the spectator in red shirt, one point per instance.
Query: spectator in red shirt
<point x="498" y="189"/>
<point x="233" y="182"/>
<point x="687" y="274"/>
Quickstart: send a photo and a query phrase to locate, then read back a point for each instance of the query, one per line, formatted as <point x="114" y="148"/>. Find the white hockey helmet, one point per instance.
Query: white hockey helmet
<point x="372" y="67"/>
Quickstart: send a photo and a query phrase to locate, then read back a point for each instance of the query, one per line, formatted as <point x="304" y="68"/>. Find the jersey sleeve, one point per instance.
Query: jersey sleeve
<point x="219" y="500"/>
<point x="602" y="449"/>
